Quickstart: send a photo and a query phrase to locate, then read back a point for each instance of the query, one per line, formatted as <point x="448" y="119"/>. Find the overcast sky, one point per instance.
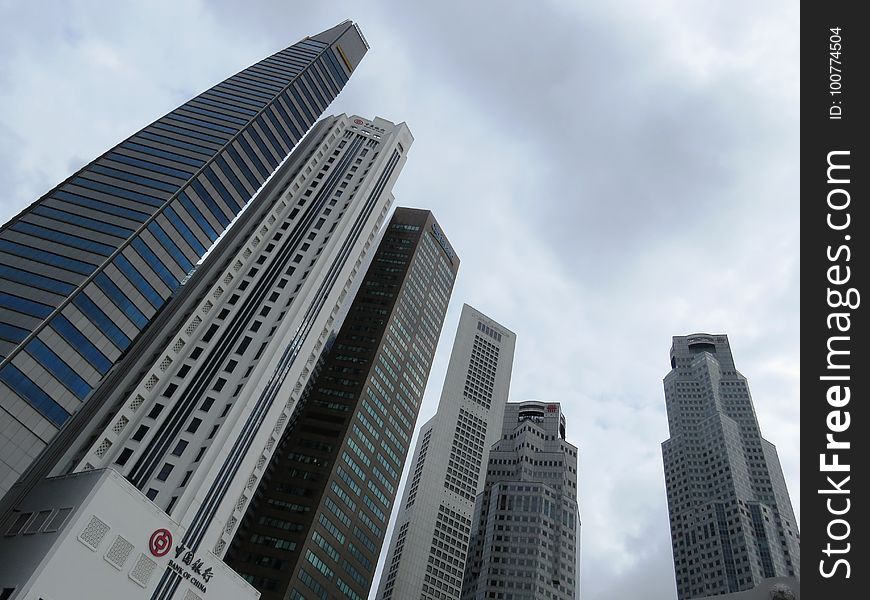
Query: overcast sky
<point x="610" y="173"/>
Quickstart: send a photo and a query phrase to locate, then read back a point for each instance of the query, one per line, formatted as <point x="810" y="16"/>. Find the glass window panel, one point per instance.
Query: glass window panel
<point x="214" y="114"/>
<point x="221" y="189"/>
<point x="62" y="238"/>
<point x="297" y="95"/>
<point x="200" y="123"/>
<point x="249" y="152"/>
<point x="231" y="106"/>
<point x="100" y="205"/>
<point x="139" y="282"/>
<point x="155" y="263"/>
<point x="170" y="246"/>
<point x="90" y="309"/>
<point x="35" y="280"/>
<point x="197" y="215"/>
<point x="210" y="203"/>
<point x="184" y="230"/>
<point x="243" y="166"/>
<point x="312" y="87"/>
<point x="11" y="333"/>
<point x="80" y="343"/>
<point x="179" y="158"/>
<point x="35" y="396"/>
<point x="151" y="166"/>
<point x="279" y="148"/>
<point x="133" y="178"/>
<point x="234" y="180"/>
<point x="48" y="258"/>
<point x="253" y="105"/>
<point x="117" y="191"/>
<point x="290" y="123"/>
<point x="114" y="293"/>
<point x="93" y="224"/>
<point x="57" y="367"/>
<point x="190" y="133"/>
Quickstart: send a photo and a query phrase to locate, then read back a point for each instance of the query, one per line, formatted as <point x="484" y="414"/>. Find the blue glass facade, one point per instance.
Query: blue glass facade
<point x="85" y="268"/>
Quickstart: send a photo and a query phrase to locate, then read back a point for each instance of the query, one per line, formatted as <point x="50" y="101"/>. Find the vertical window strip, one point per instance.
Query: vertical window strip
<point x="178" y="223"/>
<point x="197" y="215"/>
<point x="80" y="343"/>
<point x="123" y="264"/>
<point x="120" y="299"/>
<point x="52" y="363"/>
<point x="248" y="151"/>
<point x="154" y="263"/>
<point x="33" y="394"/>
<point x="233" y="204"/>
<point x="209" y="202"/>
<point x="102" y="321"/>
<point x="243" y="167"/>
<point x="175" y="253"/>
<point x="265" y="151"/>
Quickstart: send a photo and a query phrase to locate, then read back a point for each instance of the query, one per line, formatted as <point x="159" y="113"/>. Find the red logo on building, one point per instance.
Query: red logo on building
<point x="552" y="407"/>
<point x="358" y="121"/>
<point x="160" y="542"/>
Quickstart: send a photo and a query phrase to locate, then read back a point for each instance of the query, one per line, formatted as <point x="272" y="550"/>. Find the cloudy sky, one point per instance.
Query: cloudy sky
<point x="610" y="173"/>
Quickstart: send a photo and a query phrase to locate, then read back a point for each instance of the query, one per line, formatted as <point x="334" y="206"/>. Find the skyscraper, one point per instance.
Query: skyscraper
<point x="192" y="416"/>
<point x="429" y="543"/>
<point x="87" y="267"/>
<point x="317" y="521"/>
<point x="732" y="523"/>
<point x="525" y="533"/>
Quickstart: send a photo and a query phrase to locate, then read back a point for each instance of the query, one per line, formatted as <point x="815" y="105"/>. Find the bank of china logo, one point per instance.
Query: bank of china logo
<point x="160" y="542"/>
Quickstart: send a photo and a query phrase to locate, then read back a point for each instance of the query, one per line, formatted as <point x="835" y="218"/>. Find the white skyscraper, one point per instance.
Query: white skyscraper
<point x="429" y="543"/>
<point x="198" y="415"/>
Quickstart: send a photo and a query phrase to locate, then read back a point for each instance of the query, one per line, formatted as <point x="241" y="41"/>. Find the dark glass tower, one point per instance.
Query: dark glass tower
<point x="732" y="523"/>
<point x="86" y="268"/>
<point x="315" y="526"/>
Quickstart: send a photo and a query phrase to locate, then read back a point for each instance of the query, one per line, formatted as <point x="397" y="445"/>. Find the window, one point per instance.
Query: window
<point x="179" y="448"/>
<point x="140" y="433"/>
<point x="194" y="425"/>
<point x="164" y="472"/>
<point x="125" y="455"/>
<point x="155" y="410"/>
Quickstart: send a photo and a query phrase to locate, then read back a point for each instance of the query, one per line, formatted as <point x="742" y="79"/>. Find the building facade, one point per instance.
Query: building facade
<point x="94" y="535"/>
<point x="86" y="268"/>
<point x="429" y="543"/>
<point x="525" y="539"/>
<point x="315" y="526"/>
<point x="196" y="411"/>
<point x="732" y="523"/>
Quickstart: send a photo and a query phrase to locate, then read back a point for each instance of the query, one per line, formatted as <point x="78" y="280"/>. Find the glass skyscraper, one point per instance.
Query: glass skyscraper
<point x="87" y="267"/>
<point x="317" y="521"/>
<point x="732" y="522"/>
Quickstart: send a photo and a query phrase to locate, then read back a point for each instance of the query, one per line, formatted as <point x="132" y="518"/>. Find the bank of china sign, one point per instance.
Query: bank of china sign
<point x="188" y="566"/>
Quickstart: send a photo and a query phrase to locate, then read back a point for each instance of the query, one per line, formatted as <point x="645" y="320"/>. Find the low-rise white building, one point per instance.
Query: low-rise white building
<point x="94" y="536"/>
